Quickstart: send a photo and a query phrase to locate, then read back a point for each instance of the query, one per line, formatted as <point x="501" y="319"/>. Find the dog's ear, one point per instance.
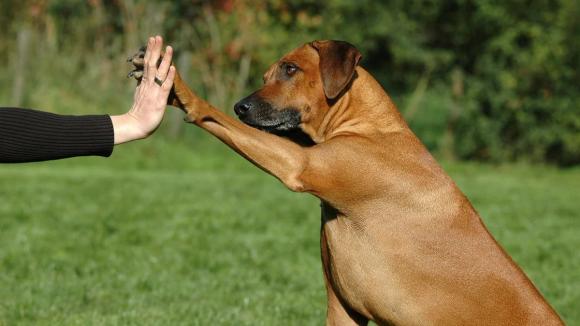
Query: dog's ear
<point x="338" y="60"/>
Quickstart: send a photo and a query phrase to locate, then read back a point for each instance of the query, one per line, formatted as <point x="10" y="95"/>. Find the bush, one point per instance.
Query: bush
<point x="522" y="98"/>
<point x="476" y="79"/>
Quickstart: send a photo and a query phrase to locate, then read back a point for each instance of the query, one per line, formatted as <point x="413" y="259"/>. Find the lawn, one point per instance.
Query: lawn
<point x="190" y="234"/>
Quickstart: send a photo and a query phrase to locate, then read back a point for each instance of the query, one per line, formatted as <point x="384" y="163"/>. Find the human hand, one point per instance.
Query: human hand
<point x="150" y="96"/>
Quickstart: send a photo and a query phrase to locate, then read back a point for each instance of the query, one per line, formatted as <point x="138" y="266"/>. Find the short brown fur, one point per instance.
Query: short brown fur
<point x="401" y="245"/>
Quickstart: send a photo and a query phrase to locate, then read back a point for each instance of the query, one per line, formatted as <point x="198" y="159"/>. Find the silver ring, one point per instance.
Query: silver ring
<point x="158" y="81"/>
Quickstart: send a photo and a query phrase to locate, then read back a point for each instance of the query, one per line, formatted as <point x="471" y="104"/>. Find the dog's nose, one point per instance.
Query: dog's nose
<point x="242" y="107"/>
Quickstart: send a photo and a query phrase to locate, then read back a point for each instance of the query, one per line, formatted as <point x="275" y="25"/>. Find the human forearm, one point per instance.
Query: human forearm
<point x="29" y="135"/>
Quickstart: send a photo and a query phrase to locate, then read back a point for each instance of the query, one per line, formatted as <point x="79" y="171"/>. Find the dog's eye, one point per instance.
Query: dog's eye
<point x="291" y="69"/>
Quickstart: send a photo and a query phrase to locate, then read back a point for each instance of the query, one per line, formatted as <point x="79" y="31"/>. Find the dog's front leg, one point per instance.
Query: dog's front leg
<point x="278" y="156"/>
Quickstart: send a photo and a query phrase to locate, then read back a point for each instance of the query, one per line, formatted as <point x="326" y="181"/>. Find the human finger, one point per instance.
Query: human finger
<point x="147" y="57"/>
<point x="155" y="54"/>
<point x="165" y="63"/>
<point x="168" y="83"/>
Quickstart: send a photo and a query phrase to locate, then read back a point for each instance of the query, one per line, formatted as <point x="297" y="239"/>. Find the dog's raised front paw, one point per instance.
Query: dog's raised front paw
<point x="138" y="59"/>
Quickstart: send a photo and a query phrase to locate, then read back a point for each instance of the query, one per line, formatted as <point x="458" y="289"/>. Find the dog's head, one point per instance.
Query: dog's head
<point x="301" y="86"/>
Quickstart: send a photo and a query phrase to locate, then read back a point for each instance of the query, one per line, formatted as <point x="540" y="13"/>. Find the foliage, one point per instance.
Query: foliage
<point x="522" y="97"/>
<point x="477" y="79"/>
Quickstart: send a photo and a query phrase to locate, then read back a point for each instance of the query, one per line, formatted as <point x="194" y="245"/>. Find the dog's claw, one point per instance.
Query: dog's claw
<point x="137" y="74"/>
<point x="138" y="60"/>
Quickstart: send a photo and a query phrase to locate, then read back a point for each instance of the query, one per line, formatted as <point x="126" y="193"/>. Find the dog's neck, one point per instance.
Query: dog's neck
<point x="372" y="115"/>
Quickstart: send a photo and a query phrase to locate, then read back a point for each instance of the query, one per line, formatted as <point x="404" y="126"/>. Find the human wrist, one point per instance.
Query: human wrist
<point x="126" y="128"/>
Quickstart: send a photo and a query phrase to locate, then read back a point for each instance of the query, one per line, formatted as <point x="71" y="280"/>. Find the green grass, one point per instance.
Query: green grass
<point x="168" y="234"/>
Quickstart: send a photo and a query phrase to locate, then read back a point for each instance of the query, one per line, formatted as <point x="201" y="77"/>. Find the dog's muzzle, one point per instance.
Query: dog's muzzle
<point x="258" y="113"/>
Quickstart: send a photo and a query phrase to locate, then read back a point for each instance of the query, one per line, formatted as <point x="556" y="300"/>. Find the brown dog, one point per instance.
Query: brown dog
<point x="401" y="245"/>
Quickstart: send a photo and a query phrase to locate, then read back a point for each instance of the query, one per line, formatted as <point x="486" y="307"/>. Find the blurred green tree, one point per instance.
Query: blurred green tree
<point x="477" y="79"/>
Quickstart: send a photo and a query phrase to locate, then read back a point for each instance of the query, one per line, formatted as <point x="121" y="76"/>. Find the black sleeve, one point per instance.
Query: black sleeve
<point x="29" y="135"/>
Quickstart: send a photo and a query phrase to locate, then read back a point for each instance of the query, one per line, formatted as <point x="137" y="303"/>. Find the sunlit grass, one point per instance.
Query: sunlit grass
<point x="168" y="234"/>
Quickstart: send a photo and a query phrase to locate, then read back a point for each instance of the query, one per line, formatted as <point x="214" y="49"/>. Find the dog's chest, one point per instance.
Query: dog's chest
<point x="344" y="250"/>
<point x="356" y="266"/>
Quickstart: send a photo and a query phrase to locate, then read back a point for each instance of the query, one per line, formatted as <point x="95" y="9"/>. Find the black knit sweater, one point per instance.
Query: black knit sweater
<point x="29" y="135"/>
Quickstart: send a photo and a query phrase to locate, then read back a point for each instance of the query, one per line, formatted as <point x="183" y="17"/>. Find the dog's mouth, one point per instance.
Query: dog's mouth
<point x="272" y="120"/>
<point x="262" y="126"/>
